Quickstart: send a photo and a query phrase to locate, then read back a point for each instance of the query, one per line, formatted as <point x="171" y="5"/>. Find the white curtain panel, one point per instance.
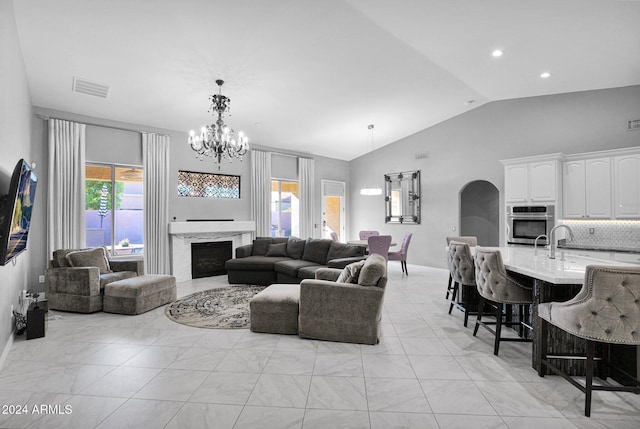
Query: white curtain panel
<point x="155" y="160"/>
<point x="261" y="192"/>
<point x="66" y="188"/>
<point x="306" y="175"/>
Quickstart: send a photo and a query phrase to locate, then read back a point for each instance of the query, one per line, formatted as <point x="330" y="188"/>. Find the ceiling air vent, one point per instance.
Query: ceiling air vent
<point x="422" y="155"/>
<point x="84" y="86"/>
<point x="633" y="125"/>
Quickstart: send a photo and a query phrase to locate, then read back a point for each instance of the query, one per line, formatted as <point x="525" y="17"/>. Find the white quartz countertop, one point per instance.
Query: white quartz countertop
<point x="568" y="271"/>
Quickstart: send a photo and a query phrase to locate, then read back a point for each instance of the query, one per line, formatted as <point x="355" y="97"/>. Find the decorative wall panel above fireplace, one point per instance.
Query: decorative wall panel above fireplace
<point x="208" y="185"/>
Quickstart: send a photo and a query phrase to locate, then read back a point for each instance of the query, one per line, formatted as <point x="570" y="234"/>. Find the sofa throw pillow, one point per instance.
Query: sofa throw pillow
<point x="90" y="258"/>
<point x="260" y="246"/>
<point x="295" y="247"/>
<point x="374" y="269"/>
<point x="316" y="249"/>
<point x="277" y="249"/>
<point x="351" y="273"/>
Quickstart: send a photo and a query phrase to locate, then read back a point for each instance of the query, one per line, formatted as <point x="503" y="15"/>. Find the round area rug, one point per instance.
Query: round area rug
<point x="220" y="308"/>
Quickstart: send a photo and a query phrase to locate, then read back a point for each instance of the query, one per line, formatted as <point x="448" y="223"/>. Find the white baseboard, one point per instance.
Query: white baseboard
<point x="6" y="350"/>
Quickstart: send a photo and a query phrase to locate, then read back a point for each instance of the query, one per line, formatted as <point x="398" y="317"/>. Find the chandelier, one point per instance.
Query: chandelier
<point x="371" y="188"/>
<point x="217" y="140"/>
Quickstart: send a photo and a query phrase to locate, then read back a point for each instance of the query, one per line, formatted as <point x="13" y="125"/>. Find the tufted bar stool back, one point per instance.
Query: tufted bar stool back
<point x="462" y="272"/>
<point x="606" y="310"/>
<point x="472" y="242"/>
<point x="498" y="289"/>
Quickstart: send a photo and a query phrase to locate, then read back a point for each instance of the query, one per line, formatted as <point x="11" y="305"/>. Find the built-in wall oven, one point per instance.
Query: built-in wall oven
<point x="525" y="223"/>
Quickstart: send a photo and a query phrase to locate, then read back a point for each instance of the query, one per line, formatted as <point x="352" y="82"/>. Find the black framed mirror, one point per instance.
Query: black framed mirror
<point x="402" y="197"/>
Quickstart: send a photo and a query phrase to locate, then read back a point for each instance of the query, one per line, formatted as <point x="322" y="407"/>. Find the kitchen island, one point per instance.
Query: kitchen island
<point x="560" y="280"/>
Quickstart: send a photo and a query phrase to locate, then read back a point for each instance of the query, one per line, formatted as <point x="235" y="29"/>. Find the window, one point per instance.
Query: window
<point x="114" y="208"/>
<point x="285" y="208"/>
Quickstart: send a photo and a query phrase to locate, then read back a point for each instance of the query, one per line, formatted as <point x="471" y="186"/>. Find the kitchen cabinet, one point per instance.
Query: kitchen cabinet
<point x="532" y="182"/>
<point x="626" y="175"/>
<point x="587" y="188"/>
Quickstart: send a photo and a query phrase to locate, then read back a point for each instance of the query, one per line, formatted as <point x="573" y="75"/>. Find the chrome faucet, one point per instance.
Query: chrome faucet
<point x="552" y="239"/>
<point x="535" y="243"/>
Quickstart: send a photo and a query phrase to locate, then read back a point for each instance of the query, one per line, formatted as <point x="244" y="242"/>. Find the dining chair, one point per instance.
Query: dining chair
<point x="380" y="244"/>
<point x="606" y="310"/>
<point x="402" y="254"/>
<point x="471" y="241"/>
<point x="499" y="290"/>
<point x="364" y="234"/>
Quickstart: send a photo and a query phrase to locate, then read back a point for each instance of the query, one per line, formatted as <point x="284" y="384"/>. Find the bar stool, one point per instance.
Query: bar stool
<point x="606" y="310"/>
<point x="500" y="291"/>
<point x="471" y="241"/>
<point x="461" y="271"/>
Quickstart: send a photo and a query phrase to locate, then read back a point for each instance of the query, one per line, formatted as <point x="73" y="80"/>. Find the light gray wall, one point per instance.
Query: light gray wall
<point x="15" y="143"/>
<point x="468" y="147"/>
<point x="120" y="142"/>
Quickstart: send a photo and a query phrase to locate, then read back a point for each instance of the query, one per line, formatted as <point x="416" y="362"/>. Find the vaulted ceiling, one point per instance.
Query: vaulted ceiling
<point x="310" y="75"/>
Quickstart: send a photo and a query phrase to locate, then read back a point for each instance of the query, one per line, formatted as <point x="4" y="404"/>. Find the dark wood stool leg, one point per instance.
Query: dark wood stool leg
<point x="454" y="294"/>
<point x="589" y="380"/>
<point x="466" y="315"/>
<point x="542" y="347"/>
<point x="496" y="344"/>
<point x="480" y="311"/>
<point x="449" y="286"/>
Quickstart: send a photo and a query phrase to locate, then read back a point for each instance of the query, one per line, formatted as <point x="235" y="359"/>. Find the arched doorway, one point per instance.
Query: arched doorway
<point x="480" y="212"/>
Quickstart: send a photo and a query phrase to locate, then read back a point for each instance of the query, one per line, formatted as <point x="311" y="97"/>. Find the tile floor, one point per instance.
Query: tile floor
<point x="428" y="371"/>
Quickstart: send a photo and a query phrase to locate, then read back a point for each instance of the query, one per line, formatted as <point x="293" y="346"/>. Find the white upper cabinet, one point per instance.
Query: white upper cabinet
<point x="627" y="186"/>
<point x="543" y="181"/>
<point x="531" y="182"/>
<point x="573" y="192"/>
<point x="587" y="188"/>
<point x="516" y="183"/>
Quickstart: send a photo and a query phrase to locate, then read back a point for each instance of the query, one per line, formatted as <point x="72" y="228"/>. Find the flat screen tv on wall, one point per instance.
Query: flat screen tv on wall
<point x="15" y="212"/>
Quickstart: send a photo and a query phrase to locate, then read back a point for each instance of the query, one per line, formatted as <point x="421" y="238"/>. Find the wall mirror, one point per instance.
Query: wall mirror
<point x="402" y="197"/>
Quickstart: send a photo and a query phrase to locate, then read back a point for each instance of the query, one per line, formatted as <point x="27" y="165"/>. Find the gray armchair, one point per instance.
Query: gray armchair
<point x="80" y="289"/>
<point x="346" y="312"/>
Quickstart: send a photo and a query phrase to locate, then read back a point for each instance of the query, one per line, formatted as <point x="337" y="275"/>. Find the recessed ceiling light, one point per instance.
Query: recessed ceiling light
<point x="497" y="53"/>
<point x="545" y="75"/>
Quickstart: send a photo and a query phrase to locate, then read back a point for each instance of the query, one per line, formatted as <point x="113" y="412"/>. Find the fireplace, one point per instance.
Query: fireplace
<point x="207" y="259"/>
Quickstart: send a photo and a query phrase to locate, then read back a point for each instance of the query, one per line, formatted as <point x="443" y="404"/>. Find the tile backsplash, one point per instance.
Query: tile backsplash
<point x="606" y="234"/>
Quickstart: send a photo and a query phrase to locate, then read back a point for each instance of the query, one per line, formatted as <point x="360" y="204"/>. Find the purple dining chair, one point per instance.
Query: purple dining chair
<point x="380" y="244"/>
<point x="364" y="234"/>
<point x="401" y="255"/>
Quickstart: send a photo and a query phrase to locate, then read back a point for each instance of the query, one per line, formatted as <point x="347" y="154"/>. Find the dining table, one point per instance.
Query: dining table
<point x="561" y="279"/>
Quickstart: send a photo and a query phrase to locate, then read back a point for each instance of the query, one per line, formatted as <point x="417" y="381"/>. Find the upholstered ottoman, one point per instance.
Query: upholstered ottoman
<point x="275" y="309"/>
<point x="140" y="294"/>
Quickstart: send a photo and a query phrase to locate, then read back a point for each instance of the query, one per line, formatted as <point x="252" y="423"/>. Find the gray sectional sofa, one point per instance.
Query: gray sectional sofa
<point x="288" y="260"/>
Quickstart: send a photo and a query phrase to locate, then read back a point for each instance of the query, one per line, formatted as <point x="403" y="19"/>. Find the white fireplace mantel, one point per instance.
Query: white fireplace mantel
<point x="182" y="234"/>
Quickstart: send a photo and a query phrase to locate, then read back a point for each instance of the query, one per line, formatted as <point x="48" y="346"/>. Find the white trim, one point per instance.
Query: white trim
<point x="7" y="349"/>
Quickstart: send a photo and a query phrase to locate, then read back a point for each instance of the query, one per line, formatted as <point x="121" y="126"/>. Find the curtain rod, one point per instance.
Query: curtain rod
<point x="46" y="118"/>
<point x="285" y="154"/>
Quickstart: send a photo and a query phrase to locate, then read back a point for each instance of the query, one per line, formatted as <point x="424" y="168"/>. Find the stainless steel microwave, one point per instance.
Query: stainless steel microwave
<point x="525" y="223"/>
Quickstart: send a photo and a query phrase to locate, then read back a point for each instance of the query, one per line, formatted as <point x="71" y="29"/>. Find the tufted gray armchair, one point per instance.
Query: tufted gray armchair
<point x="607" y="309"/>
<point x="499" y="290"/>
<point x="462" y="273"/>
